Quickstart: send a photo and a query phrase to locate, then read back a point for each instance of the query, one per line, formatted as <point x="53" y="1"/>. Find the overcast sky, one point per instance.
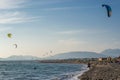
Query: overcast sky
<point x="41" y="26"/>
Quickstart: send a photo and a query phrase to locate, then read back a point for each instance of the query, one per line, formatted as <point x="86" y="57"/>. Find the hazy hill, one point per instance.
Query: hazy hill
<point x="20" y="57"/>
<point x="70" y="55"/>
<point x="76" y="55"/>
<point x="111" y="52"/>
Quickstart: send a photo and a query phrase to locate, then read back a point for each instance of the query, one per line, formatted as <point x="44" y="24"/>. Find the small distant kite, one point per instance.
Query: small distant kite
<point x="15" y="45"/>
<point x="50" y="51"/>
<point x="9" y="35"/>
<point x="109" y="10"/>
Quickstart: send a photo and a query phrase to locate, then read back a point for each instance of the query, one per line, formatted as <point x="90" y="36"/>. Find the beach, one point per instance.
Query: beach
<point x="107" y="69"/>
<point x="110" y="71"/>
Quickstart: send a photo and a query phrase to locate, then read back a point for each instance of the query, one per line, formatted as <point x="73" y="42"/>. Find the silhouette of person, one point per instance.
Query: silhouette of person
<point x="89" y="65"/>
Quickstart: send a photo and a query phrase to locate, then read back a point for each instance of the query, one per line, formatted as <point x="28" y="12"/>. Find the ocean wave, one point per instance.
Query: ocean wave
<point x="72" y="75"/>
<point x="25" y="71"/>
<point x="79" y="73"/>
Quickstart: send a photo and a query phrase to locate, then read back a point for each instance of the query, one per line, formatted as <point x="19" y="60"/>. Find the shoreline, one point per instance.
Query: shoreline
<point x="76" y="77"/>
<point x="109" y="71"/>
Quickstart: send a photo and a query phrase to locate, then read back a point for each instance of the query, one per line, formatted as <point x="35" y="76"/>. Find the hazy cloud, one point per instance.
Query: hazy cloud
<point x="15" y="17"/>
<point x="68" y="8"/>
<point x="11" y="4"/>
<point x="70" y="42"/>
<point x="82" y="31"/>
<point x="2" y="29"/>
<point x="61" y="8"/>
<point x="12" y="17"/>
<point x="70" y="32"/>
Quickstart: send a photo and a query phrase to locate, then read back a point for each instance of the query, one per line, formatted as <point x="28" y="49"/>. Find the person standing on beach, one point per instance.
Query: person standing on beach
<point x="89" y="65"/>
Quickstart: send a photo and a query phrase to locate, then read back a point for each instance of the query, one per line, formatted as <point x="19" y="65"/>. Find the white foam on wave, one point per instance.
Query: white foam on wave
<point x="72" y="75"/>
<point x="79" y="73"/>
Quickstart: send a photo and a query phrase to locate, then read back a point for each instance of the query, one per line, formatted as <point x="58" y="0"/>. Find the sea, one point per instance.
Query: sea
<point x="34" y="70"/>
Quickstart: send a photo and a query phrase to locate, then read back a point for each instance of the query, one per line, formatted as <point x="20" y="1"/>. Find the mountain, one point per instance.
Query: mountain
<point x="69" y="55"/>
<point x="76" y="55"/>
<point x="111" y="52"/>
<point x="20" y="57"/>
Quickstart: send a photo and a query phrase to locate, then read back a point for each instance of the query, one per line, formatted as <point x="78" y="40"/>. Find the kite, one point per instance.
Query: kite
<point x="9" y="35"/>
<point x="109" y="10"/>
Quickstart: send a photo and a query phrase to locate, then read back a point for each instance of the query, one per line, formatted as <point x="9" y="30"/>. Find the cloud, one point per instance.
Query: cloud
<point x="70" y="32"/>
<point x="46" y="2"/>
<point x="61" y="8"/>
<point x="69" y="45"/>
<point x="68" y="8"/>
<point x="15" y="17"/>
<point x="2" y="29"/>
<point x="70" y="42"/>
<point x="82" y="31"/>
<point x="11" y="4"/>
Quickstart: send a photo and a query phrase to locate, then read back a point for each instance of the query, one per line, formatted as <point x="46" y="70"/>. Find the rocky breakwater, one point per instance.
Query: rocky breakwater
<point x="102" y="72"/>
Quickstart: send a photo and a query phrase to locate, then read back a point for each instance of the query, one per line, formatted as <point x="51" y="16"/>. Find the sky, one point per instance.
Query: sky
<point x="47" y="27"/>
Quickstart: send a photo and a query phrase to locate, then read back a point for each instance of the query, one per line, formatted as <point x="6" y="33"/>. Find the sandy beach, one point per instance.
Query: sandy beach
<point x="109" y="71"/>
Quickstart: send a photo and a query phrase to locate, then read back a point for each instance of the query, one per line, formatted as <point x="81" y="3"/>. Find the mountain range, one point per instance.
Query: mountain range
<point x="19" y="57"/>
<point x="111" y="52"/>
<point x="85" y="54"/>
<point x="77" y="54"/>
<point x="69" y="55"/>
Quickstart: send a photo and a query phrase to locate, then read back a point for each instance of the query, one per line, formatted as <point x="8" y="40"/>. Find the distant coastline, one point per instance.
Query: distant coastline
<point x="108" y="68"/>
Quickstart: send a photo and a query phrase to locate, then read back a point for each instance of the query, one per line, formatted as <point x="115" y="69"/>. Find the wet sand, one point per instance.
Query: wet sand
<point x="109" y="71"/>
